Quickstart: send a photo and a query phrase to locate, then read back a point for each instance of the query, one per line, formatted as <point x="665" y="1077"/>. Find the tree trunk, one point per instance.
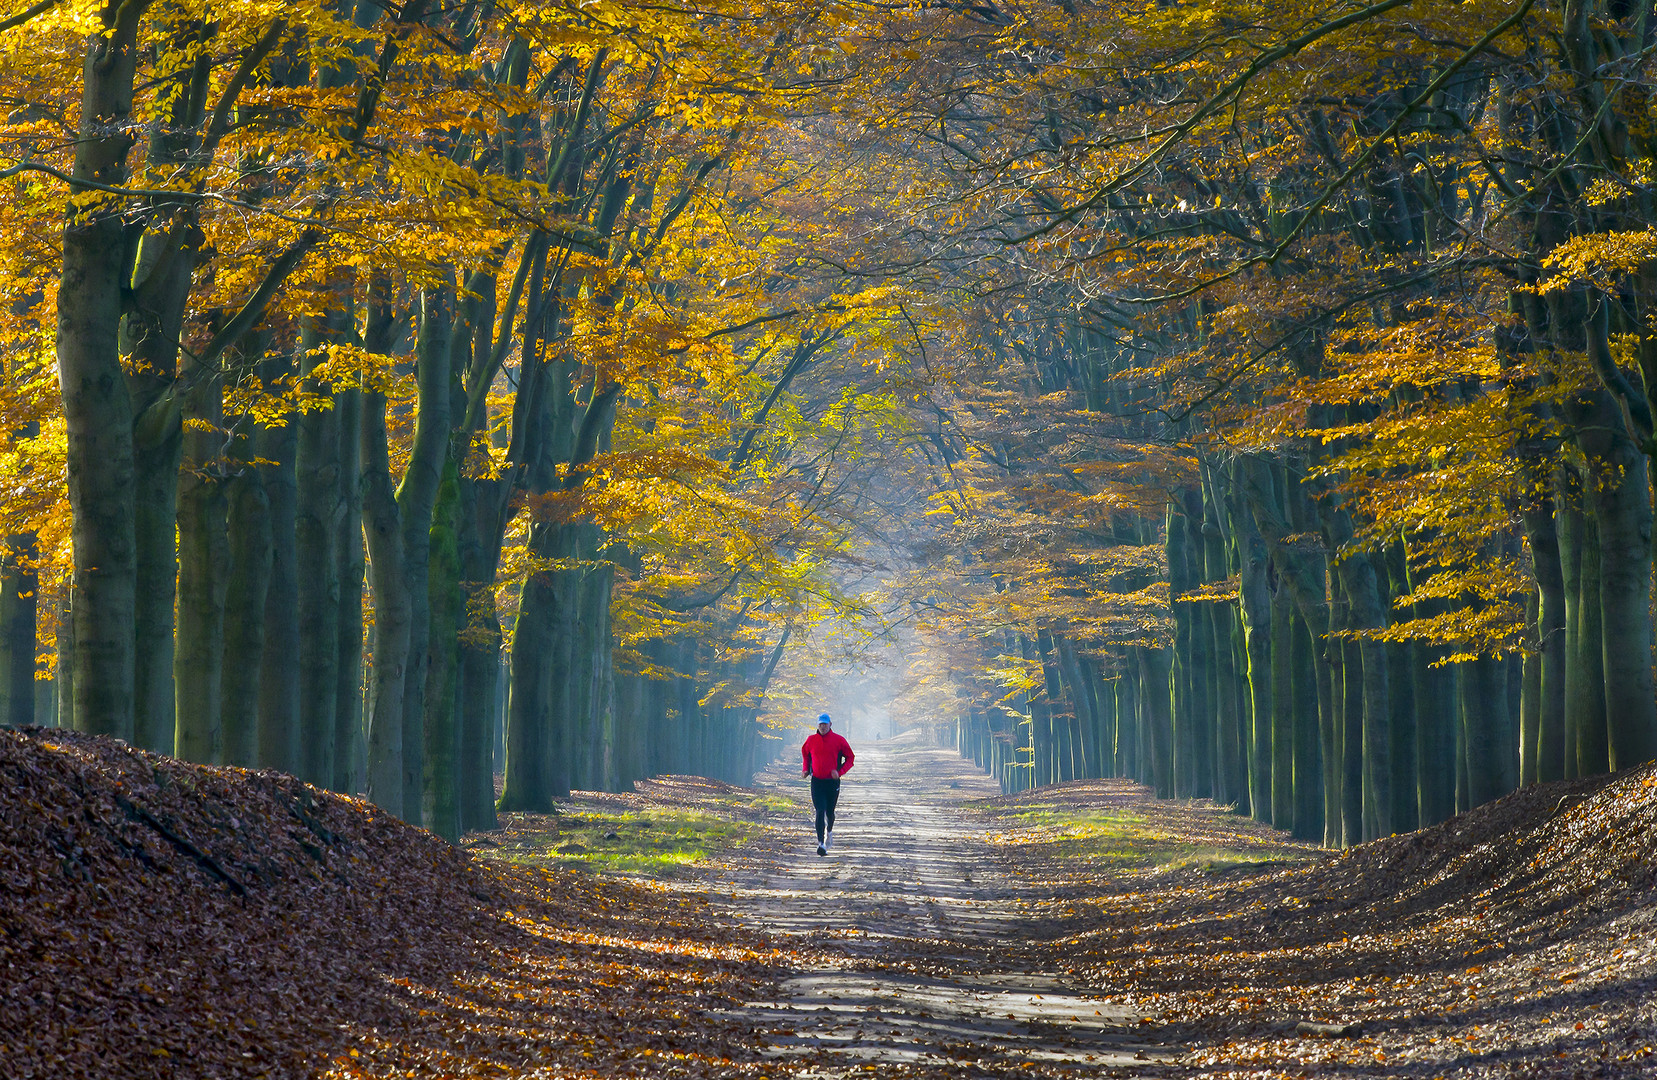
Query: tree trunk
<point x="1570" y="526"/>
<point x="203" y="583"/>
<point x="480" y="677"/>
<point x="1593" y="751"/>
<point x="1255" y="605"/>
<point x="1308" y="765"/>
<point x="383" y="537"/>
<point x="1367" y="612"/>
<point x="1488" y="731"/>
<point x="1182" y="686"/>
<point x="97" y="408"/>
<point x="316" y="562"/>
<point x="248" y="527"/>
<point x="65" y="663"/>
<point x="1551" y="641"/>
<point x="1437" y="721"/>
<point x="279" y="666"/>
<point x="1200" y="650"/>
<point x="1128" y="760"/>
<point x="567" y="687"/>
<point x="1334" y="775"/>
<point x="600" y="675"/>
<point x="1229" y="780"/>
<point x="585" y="624"/>
<point x="502" y="672"/>
<point x="446" y="603"/>
<point x="1110" y="717"/>
<point x="1156" y="717"/>
<point x="1283" y="709"/>
<point x="350" y="758"/>
<point x="609" y="730"/>
<point x="156" y="570"/>
<point x="1463" y="784"/>
<point x="1402" y="707"/>
<point x="529" y="753"/>
<point x="1042" y="756"/>
<point x="1352" y="746"/>
<point x="1244" y="736"/>
<point x="1621" y="499"/>
<point x="162" y="274"/>
<point x="1352" y="721"/>
<point x="1281" y="509"/>
<point x="1086" y="705"/>
<point x="690" y="709"/>
<point x="19" y="590"/>
<point x="629" y="700"/>
<point x="1530" y="692"/>
<point x="480" y="651"/>
<point x="416" y="496"/>
<point x="1513" y="675"/>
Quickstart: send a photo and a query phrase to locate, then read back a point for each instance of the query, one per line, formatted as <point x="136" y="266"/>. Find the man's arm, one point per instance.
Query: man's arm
<point x="846" y="756"/>
<point x="805" y="758"/>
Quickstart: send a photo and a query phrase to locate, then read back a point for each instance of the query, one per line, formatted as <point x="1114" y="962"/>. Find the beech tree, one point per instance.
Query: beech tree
<point x="1264" y="415"/>
<point x="1314" y="295"/>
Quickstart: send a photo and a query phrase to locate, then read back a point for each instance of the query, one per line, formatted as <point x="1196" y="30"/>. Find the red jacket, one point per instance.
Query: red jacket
<point x="823" y="754"/>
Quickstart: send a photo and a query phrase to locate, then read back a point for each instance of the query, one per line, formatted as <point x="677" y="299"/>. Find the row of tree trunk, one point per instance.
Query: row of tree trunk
<point x="263" y="588"/>
<point x="1288" y="700"/>
<point x="274" y="664"/>
<point x="1280" y="700"/>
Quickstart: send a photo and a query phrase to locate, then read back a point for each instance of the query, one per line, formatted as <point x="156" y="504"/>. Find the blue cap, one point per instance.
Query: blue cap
<point x="824" y="719"/>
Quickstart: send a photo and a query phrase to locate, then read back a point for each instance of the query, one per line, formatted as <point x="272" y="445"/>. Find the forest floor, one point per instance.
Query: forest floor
<point x="159" y="919"/>
<point x="166" y="920"/>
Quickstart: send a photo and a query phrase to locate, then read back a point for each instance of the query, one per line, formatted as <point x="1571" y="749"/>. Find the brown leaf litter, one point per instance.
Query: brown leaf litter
<point x="161" y="919"/>
<point x="1519" y="938"/>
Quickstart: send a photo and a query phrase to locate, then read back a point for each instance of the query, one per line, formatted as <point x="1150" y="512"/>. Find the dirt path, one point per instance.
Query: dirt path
<point x="1175" y="938"/>
<point x="909" y="898"/>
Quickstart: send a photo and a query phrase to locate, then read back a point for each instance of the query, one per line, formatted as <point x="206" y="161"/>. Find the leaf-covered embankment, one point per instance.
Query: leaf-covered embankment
<point x="1521" y="935"/>
<point x="172" y="920"/>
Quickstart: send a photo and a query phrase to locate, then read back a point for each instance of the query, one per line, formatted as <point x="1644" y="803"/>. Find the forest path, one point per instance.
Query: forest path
<point x="902" y="920"/>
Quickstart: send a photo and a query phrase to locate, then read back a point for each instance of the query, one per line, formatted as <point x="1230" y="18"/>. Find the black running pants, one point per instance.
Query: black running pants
<point x="825" y="794"/>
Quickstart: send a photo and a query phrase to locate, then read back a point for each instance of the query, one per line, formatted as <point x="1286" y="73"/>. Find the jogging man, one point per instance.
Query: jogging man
<point x="825" y="758"/>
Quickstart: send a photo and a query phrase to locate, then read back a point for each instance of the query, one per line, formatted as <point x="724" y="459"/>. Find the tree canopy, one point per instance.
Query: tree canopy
<point x="1253" y="399"/>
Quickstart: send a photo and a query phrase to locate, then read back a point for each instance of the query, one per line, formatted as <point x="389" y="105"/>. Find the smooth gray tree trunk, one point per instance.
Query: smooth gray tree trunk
<point x="1488" y="730"/>
<point x="383" y="538"/>
<point x="1255" y="606"/>
<point x="1308" y="763"/>
<point x="279" y="664"/>
<point x="1623" y="519"/>
<point x="446" y="602"/>
<point x="203" y="581"/>
<point x="416" y="497"/>
<point x="1283" y="710"/>
<point x="528" y="784"/>
<point x="1593" y="750"/>
<point x="65" y="663"/>
<point x="1570" y="525"/>
<point x="97" y="407"/>
<point x="317" y="507"/>
<point x="248" y="526"/>
<point x="1551" y="642"/>
<point x="156" y="569"/>
<point x="350" y="759"/>
<point x="19" y="597"/>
